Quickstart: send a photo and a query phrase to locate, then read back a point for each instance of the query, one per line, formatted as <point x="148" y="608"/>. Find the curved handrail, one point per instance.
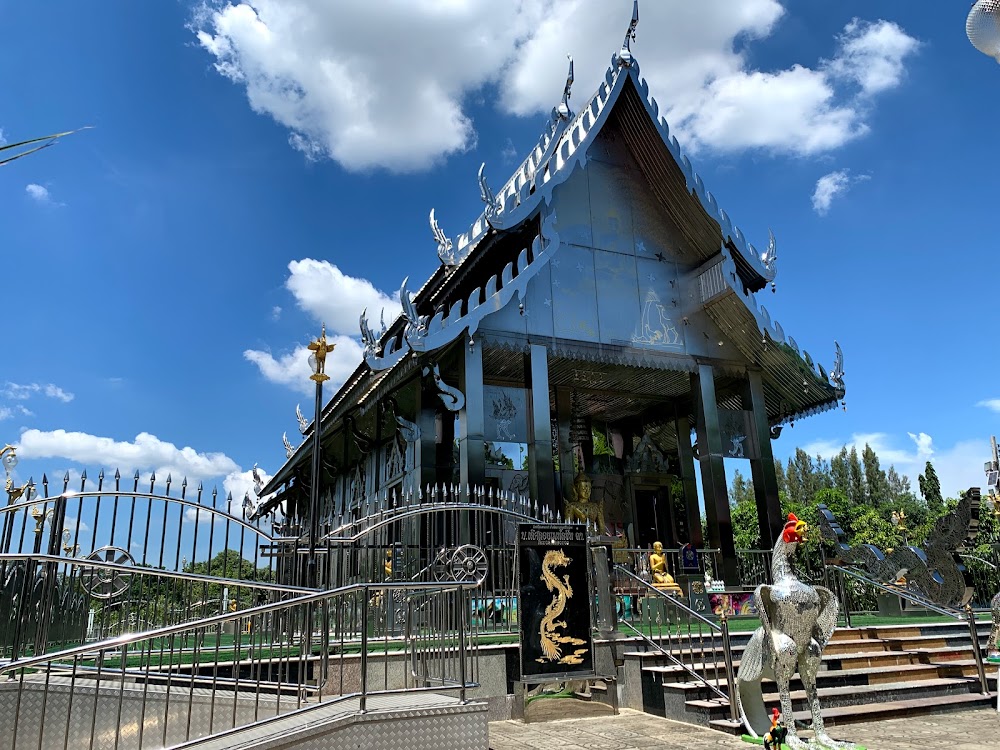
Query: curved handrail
<point x="128" y="638"/>
<point x="161" y="572"/>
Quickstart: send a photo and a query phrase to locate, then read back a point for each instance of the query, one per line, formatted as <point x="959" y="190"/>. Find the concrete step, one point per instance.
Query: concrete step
<point x="877" y="711"/>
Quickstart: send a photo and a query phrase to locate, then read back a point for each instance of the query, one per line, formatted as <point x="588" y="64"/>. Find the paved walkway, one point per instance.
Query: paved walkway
<point x="577" y="727"/>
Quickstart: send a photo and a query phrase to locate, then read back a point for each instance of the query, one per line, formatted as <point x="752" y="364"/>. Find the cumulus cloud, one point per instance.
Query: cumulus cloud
<point x="276" y="312"/>
<point x="828" y="187"/>
<point x="145" y="453"/>
<point x="958" y="467"/>
<point x="22" y="392"/>
<point x="384" y="84"/>
<point x="364" y="83"/>
<point x="332" y="297"/>
<point x="38" y="193"/>
<point x="993" y="404"/>
<point x="292" y="369"/>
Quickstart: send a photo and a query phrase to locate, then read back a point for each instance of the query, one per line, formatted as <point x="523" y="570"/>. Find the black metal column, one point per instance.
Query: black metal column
<point x="425" y="458"/>
<point x="540" y="467"/>
<point x="765" y="481"/>
<point x="472" y="421"/>
<point x="689" y="478"/>
<point x="564" y="413"/>
<point x="713" y="471"/>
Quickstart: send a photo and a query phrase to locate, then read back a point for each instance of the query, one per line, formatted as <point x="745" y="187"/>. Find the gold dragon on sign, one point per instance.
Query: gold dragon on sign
<point x="551" y="640"/>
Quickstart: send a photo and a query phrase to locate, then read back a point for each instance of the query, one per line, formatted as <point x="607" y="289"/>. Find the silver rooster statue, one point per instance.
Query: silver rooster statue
<point x="797" y="621"/>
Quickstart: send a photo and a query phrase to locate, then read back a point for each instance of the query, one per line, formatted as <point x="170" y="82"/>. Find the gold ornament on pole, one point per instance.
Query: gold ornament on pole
<point x="317" y="359"/>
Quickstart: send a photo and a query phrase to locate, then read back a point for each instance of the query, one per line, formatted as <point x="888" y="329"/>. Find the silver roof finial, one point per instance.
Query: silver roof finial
<point x="563" y="111"/>
<point x="445" y="250"/>
<point x="630" y="34"/>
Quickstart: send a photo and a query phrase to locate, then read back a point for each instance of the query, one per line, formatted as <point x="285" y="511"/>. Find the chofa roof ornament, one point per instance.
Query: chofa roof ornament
<point x="446" y="250"/>
<point x="623" y="57"/>
<point x="562" y="110"/>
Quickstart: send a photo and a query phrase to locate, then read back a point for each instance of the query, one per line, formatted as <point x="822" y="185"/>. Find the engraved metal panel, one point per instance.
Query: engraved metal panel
<point x="618" y="296"/>
<point x="611" y="207"/>
<point x="658" y="323"/>
<point x="574" y="294"/>
<point x="571" y="206"/>
<point x="506" y="414"/>
<point x="538" y="303"/>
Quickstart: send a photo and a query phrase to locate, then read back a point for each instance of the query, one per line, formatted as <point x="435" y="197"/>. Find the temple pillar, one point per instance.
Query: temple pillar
<point x="689" y="478"/>
<point x="713" y="472"/>
<point x="564" y="415"/>
<point x="425" y="453"/>
<point x="765" y="481"/>
<point x="472" y="421"/>
<point x="540" y="468"/>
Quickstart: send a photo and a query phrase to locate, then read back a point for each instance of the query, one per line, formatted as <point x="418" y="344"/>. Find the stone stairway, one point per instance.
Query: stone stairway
<point x="867" y="672"/>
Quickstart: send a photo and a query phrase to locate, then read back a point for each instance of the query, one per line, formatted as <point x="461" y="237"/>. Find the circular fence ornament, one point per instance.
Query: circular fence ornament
<point x="983" y="27"/>
<point x="441" y="567"/>
<point x="468" y="563"/>
<point x="106" y="583"/>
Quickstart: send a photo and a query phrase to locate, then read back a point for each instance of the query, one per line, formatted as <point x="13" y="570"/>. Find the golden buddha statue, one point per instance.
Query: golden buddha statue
<point x="579" y="506"/>
<point x="658" y="569"/>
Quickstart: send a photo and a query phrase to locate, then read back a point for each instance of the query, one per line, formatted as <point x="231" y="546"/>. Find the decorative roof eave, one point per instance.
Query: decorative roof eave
<point x="561" y="148"/>
<point x="425" y="333"/>
<point x="772" y="330"/>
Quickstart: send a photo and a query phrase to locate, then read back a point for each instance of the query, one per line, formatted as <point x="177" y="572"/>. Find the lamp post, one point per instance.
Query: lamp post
<point x="983" y="27"/>
<point x="317" y="362"/>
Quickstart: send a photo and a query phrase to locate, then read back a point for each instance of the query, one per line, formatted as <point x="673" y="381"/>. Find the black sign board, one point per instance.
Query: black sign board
<point x="555" y="600"/>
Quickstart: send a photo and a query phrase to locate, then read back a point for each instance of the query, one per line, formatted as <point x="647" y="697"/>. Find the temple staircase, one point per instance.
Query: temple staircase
<point x="868" y="672"/>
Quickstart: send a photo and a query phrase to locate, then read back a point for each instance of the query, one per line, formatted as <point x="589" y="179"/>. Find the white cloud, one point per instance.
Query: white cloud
<point x="6" y="413"/>
<point x="383" y="84"/>
<point x="22" y="392"/>
<point x="38" y="193"/>
<point x="958" y="467"/>
<point x="145" y="453"/>
<point x="332" y="297"/>
<point x="828" y="187"/>
<point x="292" y="369"/>
<point x="369" y="84"/>
<point x="872" y="55"/>
<point x="993" y="404"/>
<point x="276" y="312"/>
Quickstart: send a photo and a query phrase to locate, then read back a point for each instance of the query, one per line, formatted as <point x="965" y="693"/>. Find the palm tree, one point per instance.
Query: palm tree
<point x="36" y="144"/>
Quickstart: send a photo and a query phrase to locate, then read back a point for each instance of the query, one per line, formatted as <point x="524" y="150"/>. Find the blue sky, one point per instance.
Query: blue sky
<point x="254" y="169"/>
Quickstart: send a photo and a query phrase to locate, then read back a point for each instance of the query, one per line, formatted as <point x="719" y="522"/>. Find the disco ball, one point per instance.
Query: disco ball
<point x="983" y="27"/>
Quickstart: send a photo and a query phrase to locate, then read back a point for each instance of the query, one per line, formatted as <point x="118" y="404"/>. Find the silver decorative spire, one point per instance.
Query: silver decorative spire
<point x="562" y="111"/>
<point x="303" y="422"/>
<point x="368" y="337"/>
<point x="624" y="57"/>
<point x="289" y="448"/>
<point x="446" y="250"/>
<point x="837" y="375"/>
<point x="492" y="204"/>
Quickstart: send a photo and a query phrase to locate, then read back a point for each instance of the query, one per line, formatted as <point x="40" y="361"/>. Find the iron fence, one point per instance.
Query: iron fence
<point x="168" y="686"/>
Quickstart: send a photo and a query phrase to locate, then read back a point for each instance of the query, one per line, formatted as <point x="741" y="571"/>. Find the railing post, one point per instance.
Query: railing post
<point x="461" y="640"/>
<point x="976" y="649"/>
<point x="364" y="649"/>
<point x="727" y="650"/>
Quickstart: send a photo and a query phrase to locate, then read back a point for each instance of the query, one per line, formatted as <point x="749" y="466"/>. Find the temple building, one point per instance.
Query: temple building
<point x="598" y="318"/>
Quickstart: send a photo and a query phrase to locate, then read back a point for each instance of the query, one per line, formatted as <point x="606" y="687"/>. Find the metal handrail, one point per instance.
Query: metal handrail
<point x="967" y="615"/>
<point x="898" y="591"/>
<point x="130" y="638"/>
<point x="722" y="628"/>
<point x="679" y="604"/>
<point x="158" y="572"/>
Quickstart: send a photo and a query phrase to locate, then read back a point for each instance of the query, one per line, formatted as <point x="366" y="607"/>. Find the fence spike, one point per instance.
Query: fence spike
<point x="215" y="494"/>
<point x="118" y="475"/>
<point x="100" y="476"/>
<point x="83" y="475"/>
<point x="152" y="481"/>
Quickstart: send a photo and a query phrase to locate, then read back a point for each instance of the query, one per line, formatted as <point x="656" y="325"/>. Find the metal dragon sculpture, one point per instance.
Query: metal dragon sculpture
<point x="797" y="621"/>
<point x="934" y="572"/>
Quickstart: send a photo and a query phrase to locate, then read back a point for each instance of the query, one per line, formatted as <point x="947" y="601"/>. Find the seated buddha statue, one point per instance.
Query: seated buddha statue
<point x="658" y="568"/>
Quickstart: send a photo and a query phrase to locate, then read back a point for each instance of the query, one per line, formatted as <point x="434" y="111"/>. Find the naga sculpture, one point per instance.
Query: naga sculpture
<point x="797" y="621"/>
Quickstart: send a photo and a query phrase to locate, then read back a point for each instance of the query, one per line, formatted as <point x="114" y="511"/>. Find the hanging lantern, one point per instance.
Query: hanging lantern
<point x="983" y="27"/>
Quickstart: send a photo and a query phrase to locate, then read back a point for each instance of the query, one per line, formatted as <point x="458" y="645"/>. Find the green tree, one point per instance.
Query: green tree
<point x="840" y="472"/>
<point x="746" y="529"/>
<point x="930" y="489"/>
<point x="876" y="484"/>
<point x="856" y="477"/>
